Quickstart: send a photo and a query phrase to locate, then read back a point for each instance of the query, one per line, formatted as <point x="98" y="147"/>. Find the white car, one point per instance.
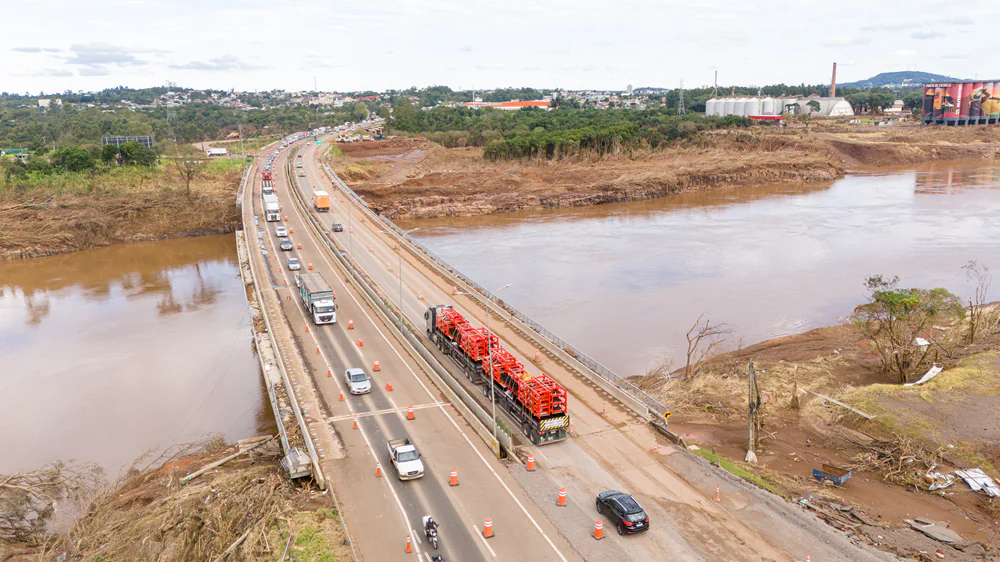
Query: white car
<point x="281" y="232"/>
<point x="358" y="381"/>
<point x="293" y="264"/>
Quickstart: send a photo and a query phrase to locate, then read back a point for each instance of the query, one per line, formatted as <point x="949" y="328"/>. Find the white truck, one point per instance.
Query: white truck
<point x="405" y="458"/>
<point x="272" y="209"/>
<point x="317" y="297"/>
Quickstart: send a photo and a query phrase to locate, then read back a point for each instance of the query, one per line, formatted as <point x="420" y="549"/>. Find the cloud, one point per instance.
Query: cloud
<point x="845" y="41"/>
<point x="956" y="57"/>
<point x="891" y="26"/>
<point x="717" y="37"/>
<point x="490" y="67"/>
<point x="94" y="71"/>
<point x="926" y="35"/>
<point x="102" y="55"/>
<point x="44" y="72"/>
<point x="906" y="53"/>
<point x="550" y="51"/>
<point x="226" y="63"/>
<point x="34" y="50"/>
<point x="465" y="48"/>
<point x="961" y="20"/>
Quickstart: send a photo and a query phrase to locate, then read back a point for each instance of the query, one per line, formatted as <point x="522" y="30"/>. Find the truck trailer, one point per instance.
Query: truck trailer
<point x="272" y="209"/>
<point x="321" y="201"/>
<point x="537" y="403"/>
<point x="317" y="297"/>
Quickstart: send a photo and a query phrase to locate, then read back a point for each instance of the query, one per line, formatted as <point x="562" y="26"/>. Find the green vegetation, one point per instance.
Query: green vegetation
<point x="532" y="133"/>
<point x="736" y="469"/>
<point x="434" y="95"/>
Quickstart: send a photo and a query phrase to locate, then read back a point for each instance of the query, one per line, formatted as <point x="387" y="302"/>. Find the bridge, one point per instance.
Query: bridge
<point x="384" y="283"/>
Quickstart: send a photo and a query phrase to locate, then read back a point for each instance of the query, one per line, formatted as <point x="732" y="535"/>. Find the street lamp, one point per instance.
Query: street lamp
<point x="399" y="253"/>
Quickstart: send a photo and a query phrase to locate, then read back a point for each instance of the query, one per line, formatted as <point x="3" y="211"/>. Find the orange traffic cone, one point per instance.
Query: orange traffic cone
<point x="717" y="493"/>
<point x="341" y="396"/>
<point x="408" y="548"/>
<point x="538" y="356"/>
<point x="310" y="266"/>
<point x="300" y="246"/>
<point x="355" y="421"/>
<point x="378" y="469"/>
<point x="454" y="477"/>
<point x="561" y="502"/>
<point x="329" y="372"/>
<point x="307" y="327"/>
<point x="286" y="282"/>
<point x="317" y="350"/>
<point x="350" y="323"/>
<point x="361" y="343"/>
<point x="531" y="463"/>
<point x="454" y="290"/>
<point x="409" y="413"/>
<point x="420" y="295"/>
<point x="388" y="387"/>
<point x="488" y="528"/>
<point x="598" y="530"/>
<point x="375" y="367"/>
<point x="656" y="448"/>
<point x="291" y="231"/>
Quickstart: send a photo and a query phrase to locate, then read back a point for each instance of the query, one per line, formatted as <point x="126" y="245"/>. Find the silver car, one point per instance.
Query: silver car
<point x="286" y="244"/>
<point x="357" y="381"/>
<point x="293" y="264"/>
<point x="281" y="232"/>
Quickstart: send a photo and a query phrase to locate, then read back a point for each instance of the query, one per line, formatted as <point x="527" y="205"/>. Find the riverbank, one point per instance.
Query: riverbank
<point x="245" y="509"/>
<point x="940" y="426"/>
<point x="68" y="212"/>
<point x="413" y="178"/>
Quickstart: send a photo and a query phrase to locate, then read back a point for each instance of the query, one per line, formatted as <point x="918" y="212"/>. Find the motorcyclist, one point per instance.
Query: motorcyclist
<point x="430" y="525"/>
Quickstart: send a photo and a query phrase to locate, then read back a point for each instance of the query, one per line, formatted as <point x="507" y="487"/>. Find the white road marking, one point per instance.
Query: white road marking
<point x="486" y="542"/>
<point x="510" y="492"/>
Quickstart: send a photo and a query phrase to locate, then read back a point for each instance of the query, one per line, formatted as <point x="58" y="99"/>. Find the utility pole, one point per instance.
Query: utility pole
<point x="753" y="414"/>
<point x="680" y="99"/>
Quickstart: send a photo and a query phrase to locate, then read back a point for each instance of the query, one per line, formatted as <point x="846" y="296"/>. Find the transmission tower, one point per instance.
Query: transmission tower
<point x="680" y="99"/>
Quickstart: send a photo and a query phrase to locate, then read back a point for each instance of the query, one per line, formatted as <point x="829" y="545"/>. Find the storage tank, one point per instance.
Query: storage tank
<point x="729" y="107"/>
<point x="752" y="107"/>
<point x="710" y="106"/>
<point x="738" y="104"/>
<point x="767" y="106"/>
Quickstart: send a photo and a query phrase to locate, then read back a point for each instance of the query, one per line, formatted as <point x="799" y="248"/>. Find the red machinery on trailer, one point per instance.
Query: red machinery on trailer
<point x="538" y="403"/>
<point x="266" y="175"/>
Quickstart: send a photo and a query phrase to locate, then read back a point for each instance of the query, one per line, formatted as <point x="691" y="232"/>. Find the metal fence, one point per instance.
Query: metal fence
<point x="654" y="405"/>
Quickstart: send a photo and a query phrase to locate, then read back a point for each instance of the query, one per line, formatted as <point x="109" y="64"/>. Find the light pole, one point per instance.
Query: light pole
<point x="489" y="355"/>
<point x="399" y="252"/>
<point x="350" y="226"/>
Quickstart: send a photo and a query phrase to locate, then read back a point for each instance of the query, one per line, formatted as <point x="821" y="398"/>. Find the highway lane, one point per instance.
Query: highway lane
<point x="460" y="510"/>
<point x="613" y="448"/>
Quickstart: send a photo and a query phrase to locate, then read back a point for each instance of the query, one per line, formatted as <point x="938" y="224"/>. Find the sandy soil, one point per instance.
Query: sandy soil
<point x="412" y="178"/>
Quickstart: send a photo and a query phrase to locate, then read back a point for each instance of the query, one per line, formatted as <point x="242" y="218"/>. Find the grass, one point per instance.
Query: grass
<point x="316" y="535"/>
<point x="736" y="469"/>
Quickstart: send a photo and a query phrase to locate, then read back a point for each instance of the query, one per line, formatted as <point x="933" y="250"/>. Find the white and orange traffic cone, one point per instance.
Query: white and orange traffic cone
<point x="488" y="528"/>
<point x="376" y="367"/>
<point x="530" y="466"/>
<point x="388" y="387"/>
<point x="408" y="548"/>
<point x="409" y="413"/>
<point x="717" y="493"/>
<point x="350" y="323"/>
<point x="598" y="529"/>
<point x="378" y="469"/>
<point x="453" y="481"/>
<point x="361" y="343"/>
<point x="329" y="373"/>
<point x="355" y="421"/>
<point x="561" y="502"/>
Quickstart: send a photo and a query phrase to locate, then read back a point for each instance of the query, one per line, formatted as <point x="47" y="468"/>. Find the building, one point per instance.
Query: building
<point x="768" y="106"/>
<point x="510" y="105"/>
<point x="897" y="107"/>
<point x="962" y="103"/>
<point x="45" y="103"/>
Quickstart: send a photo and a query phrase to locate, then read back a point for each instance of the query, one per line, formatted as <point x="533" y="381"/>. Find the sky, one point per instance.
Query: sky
<point x="336" y="45"/>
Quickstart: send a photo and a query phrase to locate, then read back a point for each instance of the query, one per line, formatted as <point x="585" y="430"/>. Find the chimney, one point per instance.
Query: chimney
<point x="833" y="82"/>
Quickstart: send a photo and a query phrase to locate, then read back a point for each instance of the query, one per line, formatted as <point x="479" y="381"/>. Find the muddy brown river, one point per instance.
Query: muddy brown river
<point x="624" y="282"/>
<point x="110" y="352"/>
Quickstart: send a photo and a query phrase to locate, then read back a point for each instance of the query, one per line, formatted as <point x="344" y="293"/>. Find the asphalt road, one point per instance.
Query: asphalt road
<point x="380" y="512"/>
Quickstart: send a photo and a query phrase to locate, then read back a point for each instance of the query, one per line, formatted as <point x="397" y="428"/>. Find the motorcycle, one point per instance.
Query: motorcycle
<point x="430" y="534"/>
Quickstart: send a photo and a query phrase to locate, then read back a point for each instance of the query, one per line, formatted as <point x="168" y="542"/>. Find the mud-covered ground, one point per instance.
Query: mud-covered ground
<point x="951" y="419"/>
<point x="413" y="178"/>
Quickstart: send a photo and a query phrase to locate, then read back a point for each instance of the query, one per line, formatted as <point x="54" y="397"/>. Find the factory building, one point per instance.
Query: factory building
<point x="768" y="106"/>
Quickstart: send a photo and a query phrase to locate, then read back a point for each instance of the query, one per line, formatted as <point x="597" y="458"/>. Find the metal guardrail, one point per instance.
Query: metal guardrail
<point x="656" y="407"/>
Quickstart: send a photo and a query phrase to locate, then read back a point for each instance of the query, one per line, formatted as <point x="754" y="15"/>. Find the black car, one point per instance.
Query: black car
<point x="622" y="510"/>
<point x="337" y="227"/>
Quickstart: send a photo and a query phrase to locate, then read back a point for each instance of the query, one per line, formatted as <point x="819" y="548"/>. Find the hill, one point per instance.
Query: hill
<point x="906" y="79"/>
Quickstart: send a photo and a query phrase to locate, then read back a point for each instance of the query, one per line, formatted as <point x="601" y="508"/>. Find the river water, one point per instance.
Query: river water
<point x="624" y="282"/>
<point x="107" y="353"/>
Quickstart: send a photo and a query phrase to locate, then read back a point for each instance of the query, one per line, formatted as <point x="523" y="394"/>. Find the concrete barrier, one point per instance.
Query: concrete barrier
<point x="468" y="408"/>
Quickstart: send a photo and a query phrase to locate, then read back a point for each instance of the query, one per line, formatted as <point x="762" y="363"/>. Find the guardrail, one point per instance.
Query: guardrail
<point x="289" y="389"/>
<point x="467" y="406"/>
<point x="654" y="408"/>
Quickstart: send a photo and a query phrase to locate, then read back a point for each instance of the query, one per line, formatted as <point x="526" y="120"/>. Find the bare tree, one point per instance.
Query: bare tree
<point x="28" y="500"/>
<point x="188" y="161"/>
<point x="704" y="340"/>
<point x="980" y="276"/>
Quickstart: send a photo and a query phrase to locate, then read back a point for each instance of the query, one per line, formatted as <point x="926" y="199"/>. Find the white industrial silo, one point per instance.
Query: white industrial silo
<point x="767" y="106"/>
<point x="729" y="107"/>
<point x="710" y="106"/>
<point x="738" y="106"/>
<point x="752" y="107"/>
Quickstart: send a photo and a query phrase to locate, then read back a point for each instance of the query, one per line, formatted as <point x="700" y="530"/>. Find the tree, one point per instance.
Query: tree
<point x="108" y="153"/>
<point x="189" y="163"/>
<point x="813" y="106"/>
<point x="73" y="159"/>
<point x="704" y="339"/>
<point x="893" y="319"/>
<point x="980" y="276"/>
